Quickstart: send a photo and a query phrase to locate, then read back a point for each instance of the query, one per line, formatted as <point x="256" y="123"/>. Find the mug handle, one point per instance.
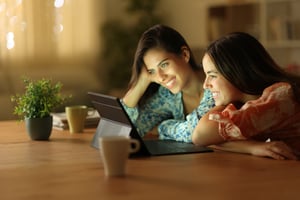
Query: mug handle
<point x="90" y="111"/>
<point x="135" y="147"/>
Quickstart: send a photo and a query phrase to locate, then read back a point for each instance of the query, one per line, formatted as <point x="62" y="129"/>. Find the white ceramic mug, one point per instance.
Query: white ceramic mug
<point x="114" y="151"/>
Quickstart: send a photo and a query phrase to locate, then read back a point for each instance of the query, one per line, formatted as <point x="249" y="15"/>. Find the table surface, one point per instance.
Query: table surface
<point x="67" y="167"/>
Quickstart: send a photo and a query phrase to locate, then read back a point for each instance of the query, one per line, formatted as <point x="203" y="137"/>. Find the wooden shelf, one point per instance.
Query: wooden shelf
<point x="276" y="23"/>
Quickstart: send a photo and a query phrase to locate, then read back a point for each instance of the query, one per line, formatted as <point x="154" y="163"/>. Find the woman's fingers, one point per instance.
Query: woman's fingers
<point x="279" y="150"/>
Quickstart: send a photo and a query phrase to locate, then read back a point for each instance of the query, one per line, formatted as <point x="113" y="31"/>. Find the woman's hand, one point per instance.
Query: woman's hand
<point x="276" y="149"/>
<point x="134" y="94"/>
<point x="145" y="78"/>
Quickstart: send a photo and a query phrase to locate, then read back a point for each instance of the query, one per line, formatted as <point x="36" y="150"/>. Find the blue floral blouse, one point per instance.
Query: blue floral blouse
<point x="165" y="110"/>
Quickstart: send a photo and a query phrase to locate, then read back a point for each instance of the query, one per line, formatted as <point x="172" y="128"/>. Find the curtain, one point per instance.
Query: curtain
<point x="49" y="31"/>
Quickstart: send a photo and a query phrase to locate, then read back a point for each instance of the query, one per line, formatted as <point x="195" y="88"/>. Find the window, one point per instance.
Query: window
<point x="49" y="31"/>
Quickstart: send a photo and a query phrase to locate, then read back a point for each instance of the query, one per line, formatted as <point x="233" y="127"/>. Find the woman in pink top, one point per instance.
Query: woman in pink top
<point x="256" y="101"/>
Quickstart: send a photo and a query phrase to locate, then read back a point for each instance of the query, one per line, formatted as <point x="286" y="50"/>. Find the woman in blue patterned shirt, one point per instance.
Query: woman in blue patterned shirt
<point x="166" y="92"/>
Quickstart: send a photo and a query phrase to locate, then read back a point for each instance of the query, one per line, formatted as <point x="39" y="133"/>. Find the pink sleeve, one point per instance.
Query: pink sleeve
<point x="256" y="116"/>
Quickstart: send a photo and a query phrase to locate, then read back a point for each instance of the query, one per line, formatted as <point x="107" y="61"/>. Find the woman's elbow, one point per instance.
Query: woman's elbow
<point x="196" y="139"/>
<point x="206" y="139"/>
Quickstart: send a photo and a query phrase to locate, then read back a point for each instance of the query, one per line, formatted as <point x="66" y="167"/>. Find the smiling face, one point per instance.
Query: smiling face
<point x="168" y="69"/>
<point x="222" y="90"/>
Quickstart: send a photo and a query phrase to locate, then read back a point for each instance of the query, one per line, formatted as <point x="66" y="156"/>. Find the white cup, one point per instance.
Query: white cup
<point x="114" y="151"/>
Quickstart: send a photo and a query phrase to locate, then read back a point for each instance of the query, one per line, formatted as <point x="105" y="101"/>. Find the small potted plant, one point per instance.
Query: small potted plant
<point x="36" y="104"/>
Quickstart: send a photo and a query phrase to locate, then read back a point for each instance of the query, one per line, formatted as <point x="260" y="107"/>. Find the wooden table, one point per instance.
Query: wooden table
<point x="67" y="167"/>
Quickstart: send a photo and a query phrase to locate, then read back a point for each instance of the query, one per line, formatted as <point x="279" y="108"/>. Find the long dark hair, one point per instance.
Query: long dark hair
<point x="163" y="37"/>
<point x="243" y="61"/>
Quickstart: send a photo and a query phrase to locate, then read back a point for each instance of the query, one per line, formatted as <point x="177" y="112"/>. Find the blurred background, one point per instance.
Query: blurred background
<point x="88" y="45"/>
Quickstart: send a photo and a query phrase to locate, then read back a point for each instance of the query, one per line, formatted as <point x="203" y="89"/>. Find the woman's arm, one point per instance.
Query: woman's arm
<point x="142" y="118"/>
<point x="134" y="94"/>
<point x="161" y="106"/>
<point x="276" y="149"/>
<point x="182" y="129"/>
<point x="207" y="131"/>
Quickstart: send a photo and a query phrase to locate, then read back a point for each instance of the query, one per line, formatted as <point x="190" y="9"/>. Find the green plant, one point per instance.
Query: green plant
<point x="39" y="99"/>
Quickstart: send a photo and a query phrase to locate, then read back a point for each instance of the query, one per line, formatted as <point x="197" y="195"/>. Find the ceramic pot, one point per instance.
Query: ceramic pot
<point x="39" y="128"/>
